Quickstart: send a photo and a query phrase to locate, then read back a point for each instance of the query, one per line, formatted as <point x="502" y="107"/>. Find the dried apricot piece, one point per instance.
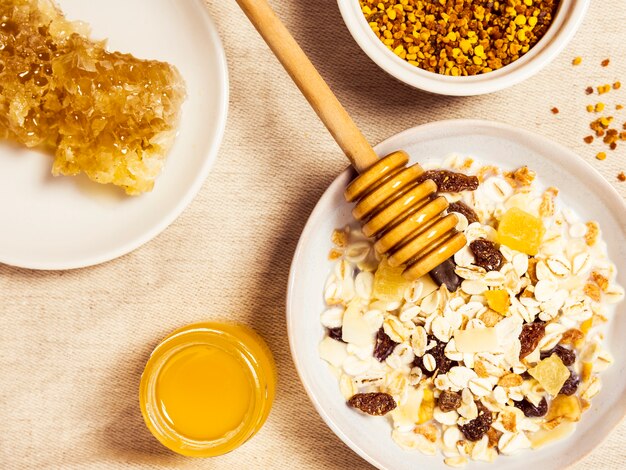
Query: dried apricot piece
<point x="551" y="374"/>
<point x="521" y="231"/>
<point x="427" y="407"/>
<point x="389" y="285"/>
<point x="375" y="404"/>
<point x="498" y="300"/>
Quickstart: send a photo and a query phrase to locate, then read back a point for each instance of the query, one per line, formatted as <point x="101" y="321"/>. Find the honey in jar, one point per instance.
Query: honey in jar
<point x="208" y="388"/>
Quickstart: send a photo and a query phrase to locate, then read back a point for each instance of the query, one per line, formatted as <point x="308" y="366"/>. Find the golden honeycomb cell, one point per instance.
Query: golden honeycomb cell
<point x="106" y="114"/>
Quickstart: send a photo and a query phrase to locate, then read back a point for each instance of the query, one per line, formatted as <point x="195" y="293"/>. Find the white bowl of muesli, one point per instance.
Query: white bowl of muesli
<point x="511" y="352"/>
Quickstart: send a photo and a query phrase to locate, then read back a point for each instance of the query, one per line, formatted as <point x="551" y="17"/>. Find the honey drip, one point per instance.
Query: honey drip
<point x="106" y="114"/>
<point x="404" y="215"/>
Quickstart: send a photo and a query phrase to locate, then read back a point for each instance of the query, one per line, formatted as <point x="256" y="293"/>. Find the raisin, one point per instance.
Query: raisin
<point x="336" y="333"/>
<point x="464" y="209"/>
<point x="443" y="364"/>
<point x="478" y="427"/>
<point x="486" y="254"/>
<point x="530" y="410"/>
<point x="567" y="355"/>
<point x="444" y="274"/>
<point x="571" y="384"/>
<point x="449" y="401"/>
<point x="449" y="181"/>
<point x="384" y="345"/>
<point x="375" y="404"/>
<point x="530" y="336"/>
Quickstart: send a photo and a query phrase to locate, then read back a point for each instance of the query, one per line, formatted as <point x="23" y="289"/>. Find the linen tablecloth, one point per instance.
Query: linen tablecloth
<point x="73" y="344"/>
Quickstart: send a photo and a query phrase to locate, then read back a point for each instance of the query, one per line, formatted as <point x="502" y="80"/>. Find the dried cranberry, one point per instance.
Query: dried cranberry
<point x="571" y="384"/>
<point x="443" y="364"/>
<point x="449" y="401"/>
<point x="464" y="209"/>
<point x="567" y="355"/>
<point x="449" y="181"/>
<point x="336" y="333"/>
<point x="444" y="274"/>
<point x="531" y="410"/>
<point x="530" y="336"/>
<point x="384" y="345"/>
<point x="478" y="427"/>
<point x="486" y="254"/>
<point x="375" y="404"/>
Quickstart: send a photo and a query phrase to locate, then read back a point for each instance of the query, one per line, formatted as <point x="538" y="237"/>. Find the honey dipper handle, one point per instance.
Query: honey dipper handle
<point x="311" y="84"/>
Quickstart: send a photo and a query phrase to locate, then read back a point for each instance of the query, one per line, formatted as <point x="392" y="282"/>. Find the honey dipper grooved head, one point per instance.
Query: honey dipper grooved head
<point x="405" y="215"/>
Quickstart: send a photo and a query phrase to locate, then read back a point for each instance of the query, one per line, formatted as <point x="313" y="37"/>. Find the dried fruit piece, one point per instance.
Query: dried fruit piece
<point x="521" y="231"/>
<point x="449" y="181"/>
<point x="336" y="333"/>
<point x="443" y="364"/>
<point x="573" y="336"/>
<point x="530" y="336"/>
<point x="449" y="401"/>
<point x="565" y="407"/>
<point x="389" y="285"/>
<point x="384" y="345"/>
<point x="571" y="385"/>
<point x="486" y="254"/>
<point x="375" y="404"/>
<point x="427" y="407"/>
<point x="444" y="274"/>
<point x="478" y="427"/>
<point x="531" y="410"/>
<point x="551" y="374"/>
<point x="464" y="209"/>
<point x="567" y="355"/>
<point x="498" y="300"/>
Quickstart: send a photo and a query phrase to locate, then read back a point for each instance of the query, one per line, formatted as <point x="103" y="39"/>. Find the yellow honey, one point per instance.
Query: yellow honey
<point x="207" y="388"/>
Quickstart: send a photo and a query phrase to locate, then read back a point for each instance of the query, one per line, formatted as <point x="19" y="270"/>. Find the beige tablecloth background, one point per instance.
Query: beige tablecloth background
<point x="73" y="344"/>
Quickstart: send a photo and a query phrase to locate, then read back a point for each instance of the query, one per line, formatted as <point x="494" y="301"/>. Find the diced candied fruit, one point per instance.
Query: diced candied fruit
<point x="498" y="300"/>
<point x="530" y="336"/>
<point x="427" y="407"/>
<point x="551" y="373"/>
<point x="389" y="284"/>
<point x="521" y="231"/>
<point x="106" y="114"/>
<point x="566" y="407"/>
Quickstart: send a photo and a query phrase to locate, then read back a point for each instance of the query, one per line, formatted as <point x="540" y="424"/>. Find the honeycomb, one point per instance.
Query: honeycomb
<point x="106" y="114"/>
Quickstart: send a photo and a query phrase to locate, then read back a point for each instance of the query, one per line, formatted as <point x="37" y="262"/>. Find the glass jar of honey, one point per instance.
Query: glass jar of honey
<point x="207" y="388"/>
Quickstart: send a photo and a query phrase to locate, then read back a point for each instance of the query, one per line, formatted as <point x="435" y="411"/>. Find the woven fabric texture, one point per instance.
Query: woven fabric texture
<point x="73" y="344"/>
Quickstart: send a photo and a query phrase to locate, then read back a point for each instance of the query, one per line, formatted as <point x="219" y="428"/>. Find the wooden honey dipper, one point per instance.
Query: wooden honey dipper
<point x="392" y="203"/>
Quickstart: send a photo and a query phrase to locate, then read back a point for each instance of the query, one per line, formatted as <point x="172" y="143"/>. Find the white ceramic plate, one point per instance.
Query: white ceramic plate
<point x="70" y="222"/>
<point x="582" y="188"/>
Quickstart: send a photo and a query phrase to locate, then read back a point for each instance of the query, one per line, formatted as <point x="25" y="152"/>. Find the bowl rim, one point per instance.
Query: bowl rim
<point x="568" y="19"/>
<point x="343" y="177"/>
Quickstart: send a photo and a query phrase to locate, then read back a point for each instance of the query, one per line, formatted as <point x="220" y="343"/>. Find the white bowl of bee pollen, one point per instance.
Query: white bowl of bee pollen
<point x="582" y="189"/>
<point x="566" y="22"/>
